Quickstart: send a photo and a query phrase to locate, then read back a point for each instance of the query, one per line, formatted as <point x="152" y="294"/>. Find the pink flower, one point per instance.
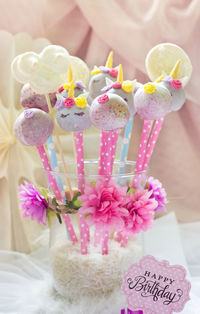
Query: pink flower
<point x="69" y="102"/>
<point x="33" y="204"/>
<point x="117" y="85"/>
<point x="102" y="203"/>
<point x="176" y="84"/>
<point x="103" y="98"/>
<point x="113" y="72"/>
<point x="158" y="193"/>
<point x="141" y="212"/>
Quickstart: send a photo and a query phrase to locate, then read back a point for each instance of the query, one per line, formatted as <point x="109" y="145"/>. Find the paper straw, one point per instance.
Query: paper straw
<point x="54" y="164"/>
<point x="114" y="138"/>
<point x="59" y="146"/>
<point x="152" y="142"/>
<point x="54" y="187"/>
<point x="125" y="145"/>
<point x="101" y="154"/>
<point x="141" y="153"/>
<point x="84" y="229"/>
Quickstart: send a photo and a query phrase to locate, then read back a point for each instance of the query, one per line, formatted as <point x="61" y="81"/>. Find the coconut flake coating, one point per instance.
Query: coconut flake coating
<point x="30" y="99"/>
<point x="178" y="96"/>
<point x="111" y="115"/>
<point x="74" y="119"/>
<point x="153" y="106"/>
<point x="33" y="127"/>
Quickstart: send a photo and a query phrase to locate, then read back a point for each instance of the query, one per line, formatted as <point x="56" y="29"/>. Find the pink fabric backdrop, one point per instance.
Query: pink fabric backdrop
<point x="90" y="28"/>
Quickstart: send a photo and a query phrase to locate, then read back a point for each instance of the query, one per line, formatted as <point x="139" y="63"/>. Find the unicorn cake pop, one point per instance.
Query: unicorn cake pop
<point x="33" y="127"/>
<point x="124" y="89"/>
<point x="175" y="87"/>
<point x="99" y="75"/>
<point x="79" y="87"/>
<point x="152" y="101"/>
<point x="30" y="99"/>
<point x="73" y="112"/>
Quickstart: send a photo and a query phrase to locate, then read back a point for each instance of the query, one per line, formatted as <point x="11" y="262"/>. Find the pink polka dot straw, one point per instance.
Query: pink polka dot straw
<point x="152" y="142"/>
<point x="84" y="229"/>
<point x="56" y="191"/>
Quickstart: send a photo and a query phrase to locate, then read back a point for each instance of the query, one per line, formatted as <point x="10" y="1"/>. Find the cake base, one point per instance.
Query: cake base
<point x="94" y="274"/>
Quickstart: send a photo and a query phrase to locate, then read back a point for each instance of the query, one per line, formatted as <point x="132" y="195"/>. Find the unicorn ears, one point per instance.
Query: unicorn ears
<point x="108" y="81"/>
<point x="84" y="95"/>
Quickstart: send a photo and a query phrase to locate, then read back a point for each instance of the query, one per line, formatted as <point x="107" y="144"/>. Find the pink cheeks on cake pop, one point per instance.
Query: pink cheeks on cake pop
<point x="72" y="113"/>
<point x="33" y="127"/>
<point x="30" y="99"/>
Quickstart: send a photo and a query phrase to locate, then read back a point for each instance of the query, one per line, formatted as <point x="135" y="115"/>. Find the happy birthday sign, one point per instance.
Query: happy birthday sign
<point x="156" y="287"/>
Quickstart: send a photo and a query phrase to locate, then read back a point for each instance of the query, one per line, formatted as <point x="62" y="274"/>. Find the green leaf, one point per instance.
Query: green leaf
<point x="59" y="218"/>
<point x="93" y="183"/>
<point x="77" y="203"/>
<point x="44" y="192"/>
<point x="131" y="190"/>
<point x="54" y="202"/>
<point x="147" y="185"/>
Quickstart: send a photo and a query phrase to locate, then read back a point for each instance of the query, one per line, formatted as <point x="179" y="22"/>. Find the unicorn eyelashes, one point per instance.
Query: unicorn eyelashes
<point x="73" y="112"/>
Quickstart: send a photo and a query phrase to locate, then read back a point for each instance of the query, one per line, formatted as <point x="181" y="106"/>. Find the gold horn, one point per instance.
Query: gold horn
<point x="120" y="74"/>
<point x="109" y="62"/>
<point x="71" y="89"/>
<point x="70" y="77"/>
<point x="174" y="72"/>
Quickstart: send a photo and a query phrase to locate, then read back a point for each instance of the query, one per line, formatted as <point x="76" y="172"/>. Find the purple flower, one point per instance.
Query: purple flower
<point x="59" y="104"/>
<point x="104" y="69"/>
<point x="158" y="193"/>
<point x="33" y="204"/>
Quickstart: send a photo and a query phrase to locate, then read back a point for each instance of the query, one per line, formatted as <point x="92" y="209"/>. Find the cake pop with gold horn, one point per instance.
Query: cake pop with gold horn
<point x="72" y="112"/>
<point x="174" y="86"/>
<point x="122" y="88"/>
<point x="98" y="77"/>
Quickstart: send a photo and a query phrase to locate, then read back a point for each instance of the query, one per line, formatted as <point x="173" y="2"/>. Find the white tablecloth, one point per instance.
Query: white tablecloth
<point x="25" y="281"/>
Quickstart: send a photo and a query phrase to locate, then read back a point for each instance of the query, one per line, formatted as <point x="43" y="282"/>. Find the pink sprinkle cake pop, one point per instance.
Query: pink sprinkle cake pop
<point x="152" y="101"/>
<point x="30" y="99"/>
<point x="33" y="127"/>
<point x="175" y="87"/>
<point x="73" y="113"/>
<point x="98" y="78"/>
<point x="109" y="112"/>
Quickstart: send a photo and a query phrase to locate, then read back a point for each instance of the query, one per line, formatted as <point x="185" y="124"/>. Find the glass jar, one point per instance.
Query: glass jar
<point x="94" y="273"/>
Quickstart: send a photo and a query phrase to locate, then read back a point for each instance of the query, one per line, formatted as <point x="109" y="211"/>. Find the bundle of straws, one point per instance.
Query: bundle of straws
<point x="117" y="212"/>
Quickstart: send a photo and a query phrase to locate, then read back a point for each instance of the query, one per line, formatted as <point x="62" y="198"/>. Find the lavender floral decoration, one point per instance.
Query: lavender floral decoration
<point x="158" y="193"/>
<point x="33" y="204"/>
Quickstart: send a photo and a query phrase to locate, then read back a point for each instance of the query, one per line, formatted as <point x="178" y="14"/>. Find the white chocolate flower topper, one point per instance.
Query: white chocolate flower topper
<point x="43" y="71"/>
<point x="161" y="59"/>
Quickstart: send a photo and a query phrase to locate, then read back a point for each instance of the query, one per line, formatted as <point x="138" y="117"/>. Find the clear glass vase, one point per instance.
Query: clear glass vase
<point x="94" y="273"/>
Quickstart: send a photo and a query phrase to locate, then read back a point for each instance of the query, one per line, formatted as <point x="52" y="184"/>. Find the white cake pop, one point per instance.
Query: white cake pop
<point x="153" y="101"/>
<point x="175" y="87"/>
<point x="33" y="127"/>
<point x="124" y="89"/>
<point x="73" y="113"/>
<point x="98" y="78"/>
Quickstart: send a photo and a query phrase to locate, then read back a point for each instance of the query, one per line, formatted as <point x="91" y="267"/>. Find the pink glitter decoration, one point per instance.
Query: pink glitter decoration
<point x="103" y="99"/>
<point x="102" y="203"/>
<point x="33" y="204"/>
<point x="117" y="85"/>
<point x="141" y="212"/>
<point x="69" y="102"/>
<point x="113" y="72"/>
<point x="176" y="84"/>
